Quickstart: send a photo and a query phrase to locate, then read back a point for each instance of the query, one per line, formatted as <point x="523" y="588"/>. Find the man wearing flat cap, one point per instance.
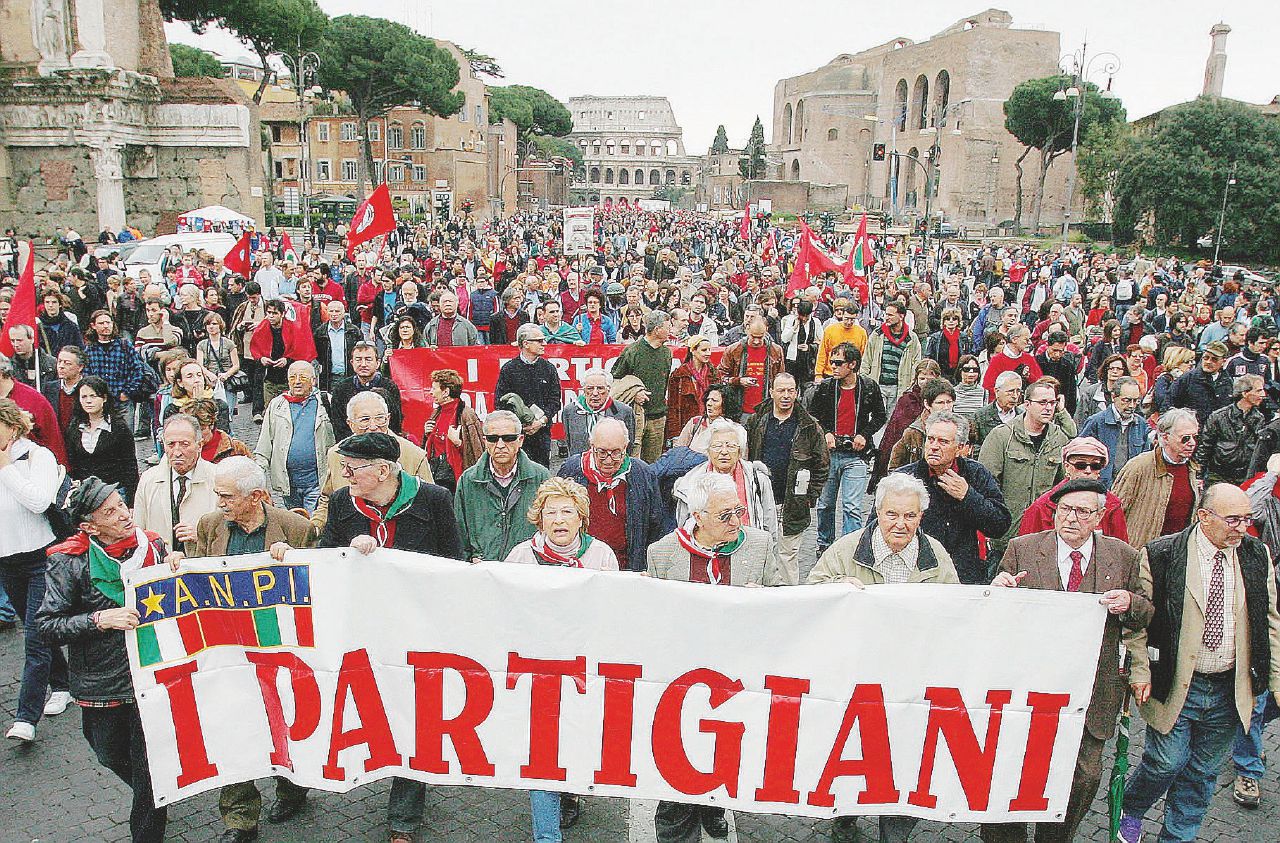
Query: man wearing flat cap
<point x="1074" y="556"/>
<point x="84" y="609"/>
<point x="385" y="506"/>
<point x="1082" y="458"/>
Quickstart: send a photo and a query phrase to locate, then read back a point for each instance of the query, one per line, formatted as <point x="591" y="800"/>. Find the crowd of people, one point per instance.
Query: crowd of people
<point x="1058" y="419"/>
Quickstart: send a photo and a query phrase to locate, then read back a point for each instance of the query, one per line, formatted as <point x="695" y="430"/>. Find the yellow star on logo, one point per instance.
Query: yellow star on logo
<point x="152" y="602"/>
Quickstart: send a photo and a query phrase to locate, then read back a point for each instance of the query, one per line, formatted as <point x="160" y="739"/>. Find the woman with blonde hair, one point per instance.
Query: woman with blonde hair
<point x="192" y="384"/>
<point x="1177" y="361"/>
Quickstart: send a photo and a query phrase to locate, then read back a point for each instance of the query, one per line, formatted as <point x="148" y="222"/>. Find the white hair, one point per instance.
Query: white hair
<point x="597" y="370"/>
<point x="895" y="483"/>
<point x="736" y="429"/>
<point x="246" y="474"/>
<point x="502" y="415"/>
<point x="367" y="395"/>
<point x="704" y="487"/>
<point x="1005" y="378"/>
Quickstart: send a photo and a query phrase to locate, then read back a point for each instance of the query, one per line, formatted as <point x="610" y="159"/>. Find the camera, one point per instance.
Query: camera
<point x="844" y="444"/>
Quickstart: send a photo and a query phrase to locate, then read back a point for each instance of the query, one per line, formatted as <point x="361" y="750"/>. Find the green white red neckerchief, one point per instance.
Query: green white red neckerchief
<point x="547" y="555"/>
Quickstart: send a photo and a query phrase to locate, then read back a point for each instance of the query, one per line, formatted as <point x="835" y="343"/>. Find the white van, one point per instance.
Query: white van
<point x="147" y="254"/>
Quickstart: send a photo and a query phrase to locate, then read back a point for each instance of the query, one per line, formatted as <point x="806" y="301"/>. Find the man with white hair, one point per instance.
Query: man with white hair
<point x="296" y="437"/>
<point x="593" y="405"/>
<point x="537" y="383"/>
<point x="713" y="547"/>
<point x="892" y="550"/>
<point x="450" y="328"/>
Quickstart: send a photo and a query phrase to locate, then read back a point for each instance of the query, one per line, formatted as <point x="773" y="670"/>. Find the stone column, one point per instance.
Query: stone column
<point x="92" y="29"/>
<point x="108" y="169"/>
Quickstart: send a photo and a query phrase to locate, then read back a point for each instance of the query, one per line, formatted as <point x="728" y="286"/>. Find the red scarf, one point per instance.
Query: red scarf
<point x="438" y="442"/>
<point x="888" y="333"/>
<point x="953" y="347"/>
<point x="597" y="331"/>
<point x="293" y="399"/>
<point x="79" y="543"/>
<point x="209" y="450"/>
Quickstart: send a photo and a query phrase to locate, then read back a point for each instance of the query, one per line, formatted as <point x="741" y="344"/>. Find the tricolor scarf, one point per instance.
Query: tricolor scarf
<point x="382" y="525"/>
<point x="547" y="555"/>
<point x="593" y="416"/>
<point x="602" y="483"/>
<point x="104" y="567"/>
<point x="715" y="558"/>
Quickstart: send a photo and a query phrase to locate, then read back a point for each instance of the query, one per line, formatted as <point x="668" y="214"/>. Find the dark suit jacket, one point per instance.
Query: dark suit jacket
<point x="1114" y="565"/>
<point x="213" y="531"/>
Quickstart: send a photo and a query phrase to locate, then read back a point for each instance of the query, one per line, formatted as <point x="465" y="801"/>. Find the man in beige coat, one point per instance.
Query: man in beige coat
<point x="1159" y="487"/>
<point x="173" y="495"/>
<point x="1212" y="646"/>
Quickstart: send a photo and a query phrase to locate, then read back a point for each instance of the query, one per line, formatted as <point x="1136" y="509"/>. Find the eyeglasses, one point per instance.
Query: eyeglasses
<point x="1235" y="522"/>
<point x="501" y="437"/>
<point x="724" y="446"/>
<point x="609" y="453"/>
<point x="1187" y="439"/>
<point x="835" y="362"/>
<point x="349" y="471"/>
<point x="1085" y="465"/>
<point x="1045" y="402"/>
<point x="730" y="514"/>
<point x="1083" y="513"/>
<point x="969" y="369"/>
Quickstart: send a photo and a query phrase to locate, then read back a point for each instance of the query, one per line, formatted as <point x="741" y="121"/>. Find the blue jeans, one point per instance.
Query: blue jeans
<point x="545" y="806"/>
<point x="7" y="612"/>
<point x="847" y="480"/>
<point x="305" y="498"/>
<point x="1185" y="762"/>
<point x="43" y="665"/>
<point x="1246" y="752"/>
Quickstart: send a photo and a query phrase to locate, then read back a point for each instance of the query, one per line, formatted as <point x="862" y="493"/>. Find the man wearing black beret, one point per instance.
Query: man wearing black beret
<point x="1074" y="556"/>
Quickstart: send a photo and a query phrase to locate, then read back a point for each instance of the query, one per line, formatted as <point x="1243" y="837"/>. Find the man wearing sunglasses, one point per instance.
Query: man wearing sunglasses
<point x="494" y="494"/>
<point x="1160" y="488"/>
<point x="1083" y="458"/>
<point x="1212" y="647"/>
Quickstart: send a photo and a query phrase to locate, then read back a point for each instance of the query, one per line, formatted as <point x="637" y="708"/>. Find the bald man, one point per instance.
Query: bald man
<point x="296" y="437"/>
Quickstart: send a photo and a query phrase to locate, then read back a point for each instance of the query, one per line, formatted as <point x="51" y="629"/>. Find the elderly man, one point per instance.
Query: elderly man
<point x="173" y="494"/>
<point x="84" y="609"/>
<point x="965" y="498"/>
<point x="713" y="547"/>
<point x="62" y="392"/>
<point x="1159" y="488"/>
<point x="1003" y="410"/>
<point x="494" y="494"/>
<point x="450" y="328"/>
<point x="626" y="506"/>
<point x="1206" y="387"/>
<point x="649" y="359"/>
<point x="33" y="366"/>
<point x="892" y="550"/>
<point x="782" y="435"/>
<point x="365" y="376"/>
<point x="504" y="324"/>
<point x="1025" y="456"/>
<point x="752" y="364"/>
<point x="1213" y="645"/>
<point x="246" y="522"/>
<point x="385" y="506"/>
<point x="1074" y="556"/>
<point x="295" y="440"/>
<point x="1119" y="427"/>
<point x="1083" y="458"/>
<point x="367" y="412"/>
<point x="1226" y="446"/>
<point x="537" y="383"/>
<point x="593" y="405"/>
<point x="335" y="340"/>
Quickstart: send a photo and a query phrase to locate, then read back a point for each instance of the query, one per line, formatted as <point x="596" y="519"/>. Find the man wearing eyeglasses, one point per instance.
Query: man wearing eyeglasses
<point x="1119" y="428"/>
<point x="537" y="382"/>
<point x="626" y="507"/>
<point x="1160" y="488"/>
<point x="1083" y="458"/>
<point x="1073" y="556"/>
<point x="494" y="494"/>
<point x="711" y="547"/>
<point x="1213" y="645"/>
<point x="1206" y="387"/>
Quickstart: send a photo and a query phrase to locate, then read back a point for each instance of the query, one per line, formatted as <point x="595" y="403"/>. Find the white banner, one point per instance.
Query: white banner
<point x="957" y="703"/>
<point x="579" y="231"/>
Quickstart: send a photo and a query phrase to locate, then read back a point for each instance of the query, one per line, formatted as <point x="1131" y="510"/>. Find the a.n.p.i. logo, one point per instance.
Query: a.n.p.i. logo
<point x="182" y="615"/>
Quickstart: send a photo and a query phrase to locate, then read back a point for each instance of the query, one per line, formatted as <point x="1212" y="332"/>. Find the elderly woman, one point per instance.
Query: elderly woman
<point x="560" y="511"/>
<point x="688" y="385"/>
<point x="99" y="441"/>
<point x="453" y="433"/>
<point x="29" y="480"/>
<point x="727" y="455"/>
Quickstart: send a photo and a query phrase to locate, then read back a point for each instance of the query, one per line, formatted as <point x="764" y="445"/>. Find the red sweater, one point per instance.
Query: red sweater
<point x="44" y="429"/>
<point x="1001" y="363"/>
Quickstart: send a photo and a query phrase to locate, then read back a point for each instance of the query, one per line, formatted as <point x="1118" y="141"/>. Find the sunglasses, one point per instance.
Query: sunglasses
<point x="1085" y="465"/>
<point x="501" y="437"/>
<point x="729" y="514"/>
<point x="970" y="369"/>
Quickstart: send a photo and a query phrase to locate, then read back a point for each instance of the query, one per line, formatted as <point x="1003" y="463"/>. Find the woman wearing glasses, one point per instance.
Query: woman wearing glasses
<point x="970" y="395"/>
<point x="947" y="345"/>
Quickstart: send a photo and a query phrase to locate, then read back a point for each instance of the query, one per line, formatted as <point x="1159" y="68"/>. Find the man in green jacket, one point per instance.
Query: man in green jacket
<point x="495" y="493"/>
<point x="649" y="359"/>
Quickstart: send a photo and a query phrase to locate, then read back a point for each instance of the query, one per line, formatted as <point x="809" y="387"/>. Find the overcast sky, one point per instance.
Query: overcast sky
<point x="717" y="60"/>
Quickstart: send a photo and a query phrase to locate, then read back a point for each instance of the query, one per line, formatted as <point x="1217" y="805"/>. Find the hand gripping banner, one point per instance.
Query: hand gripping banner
<point x="956" y="703"/>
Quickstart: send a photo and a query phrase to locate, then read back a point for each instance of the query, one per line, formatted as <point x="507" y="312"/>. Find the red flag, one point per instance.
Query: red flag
<point x="300" y="316"/>
<point x="22" y="310"/>
<point x="237" y="260"/>
<point x="811" y="261"/>
<point x="286" y="248"/>
<point x="373" y="217"/>
<point x="860" y="261"/>
<point x="770" y="247"/>
<point x="744" y="230"/>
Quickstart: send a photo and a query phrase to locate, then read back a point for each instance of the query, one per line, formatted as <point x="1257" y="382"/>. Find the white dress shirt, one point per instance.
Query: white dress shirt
<point x="1064" y="559"/>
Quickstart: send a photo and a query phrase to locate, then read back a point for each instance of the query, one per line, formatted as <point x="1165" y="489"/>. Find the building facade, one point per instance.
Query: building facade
<point x="720" y="186"/>
<point x="939" y="104"/>
<point x="630" y="146"/>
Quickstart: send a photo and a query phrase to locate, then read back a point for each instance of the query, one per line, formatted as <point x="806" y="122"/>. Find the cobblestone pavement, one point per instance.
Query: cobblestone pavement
<point x="54" y="791"/>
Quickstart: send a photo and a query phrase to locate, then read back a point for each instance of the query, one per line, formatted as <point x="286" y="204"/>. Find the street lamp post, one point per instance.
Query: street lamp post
<point x="303" y="66"/>
<point x="1080" y="66"/>
<point x="1222" y="214"/>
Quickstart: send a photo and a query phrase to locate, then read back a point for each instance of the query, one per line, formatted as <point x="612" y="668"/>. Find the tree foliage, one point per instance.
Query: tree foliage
<point x="533" y="110"/>
<point x="381" y="64"/>
<point x="1098" y="160"/>
<point x="752" y="163"/>
<point x="1172" y="181"/>
<point x="1040" y="122"/>
<point x="265" y="26"/>
<point x="720" y="145"/>
<point x="482" y="64"/>
<point x="193" y="61"/>
<point x="551" y="147"/>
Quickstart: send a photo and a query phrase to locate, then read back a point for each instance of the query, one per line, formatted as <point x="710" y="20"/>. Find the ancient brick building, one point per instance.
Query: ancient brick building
<point x="630" y="146"/>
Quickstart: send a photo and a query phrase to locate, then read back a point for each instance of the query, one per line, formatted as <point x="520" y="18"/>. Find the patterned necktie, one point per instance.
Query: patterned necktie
<point x="1077" y="571"/>
<point x="1213" y="604"/>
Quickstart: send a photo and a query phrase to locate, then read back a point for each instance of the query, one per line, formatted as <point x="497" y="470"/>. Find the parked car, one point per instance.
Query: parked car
<point x="147" y="254"/>
<point x="1229" y="271"/>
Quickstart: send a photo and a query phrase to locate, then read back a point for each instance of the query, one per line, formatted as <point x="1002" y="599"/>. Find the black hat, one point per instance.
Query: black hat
<point x="370" y="446"/>
<point x="85" y="499"/>
<point x="1080" y="484"/>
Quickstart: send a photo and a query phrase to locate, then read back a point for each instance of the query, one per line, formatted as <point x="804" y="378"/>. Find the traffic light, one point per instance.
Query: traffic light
<point x="877" y="151"/>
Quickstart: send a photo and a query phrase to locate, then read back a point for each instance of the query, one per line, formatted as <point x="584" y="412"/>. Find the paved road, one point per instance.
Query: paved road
<point x="54" y="791"/>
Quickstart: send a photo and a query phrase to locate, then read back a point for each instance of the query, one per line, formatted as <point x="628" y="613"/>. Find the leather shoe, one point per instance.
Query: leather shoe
<point x="239" y="835"/>
<point x="570" y="810"/>
<point x="844" y="830"/>
<point x="715" y="825"/>
<point x="282" y="810"/>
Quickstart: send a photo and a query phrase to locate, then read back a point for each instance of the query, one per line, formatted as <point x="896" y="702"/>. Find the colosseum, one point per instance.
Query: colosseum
<point x="630" y="146"/>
